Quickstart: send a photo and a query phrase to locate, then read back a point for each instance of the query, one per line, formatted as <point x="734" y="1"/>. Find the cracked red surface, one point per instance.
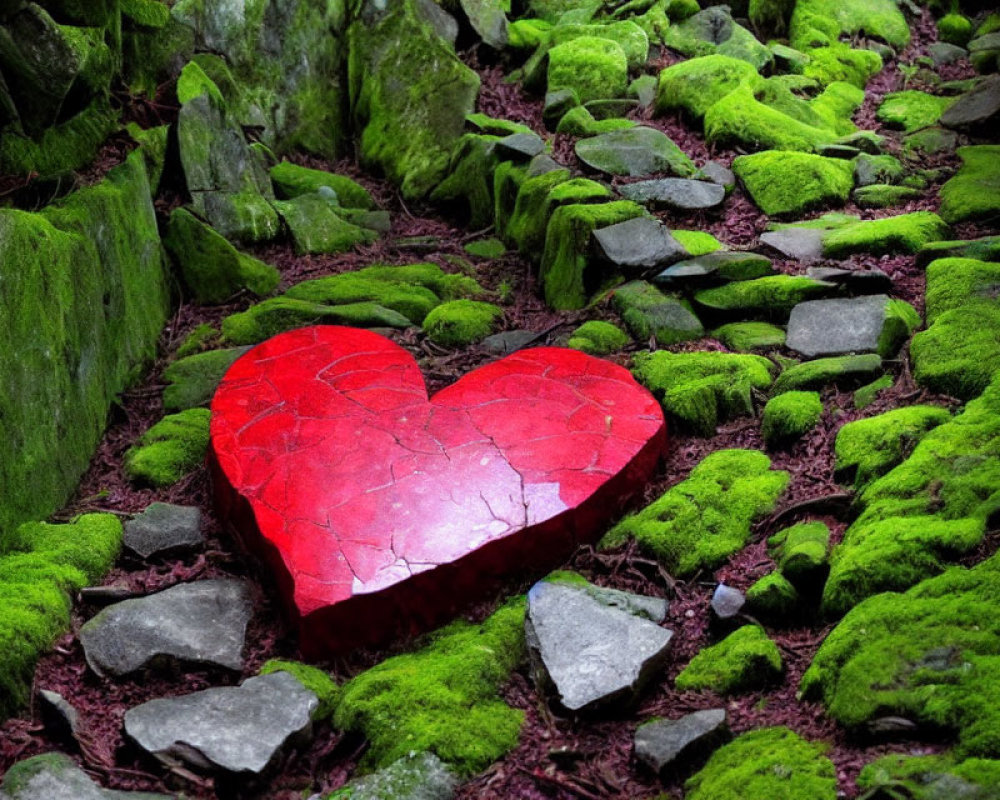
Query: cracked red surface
<point x="380" y="509"/>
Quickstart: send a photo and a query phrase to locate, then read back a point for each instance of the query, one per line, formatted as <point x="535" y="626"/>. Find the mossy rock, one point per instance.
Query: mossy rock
<point x="873" y="169"/>
<point x="905" y="233"/>
<point x="783" y="183"/>
<point x="446" y="285"/>
<point x="697" y="83"/>
<point x="740" y="120"/>
<point x="839" y="370"/>
<point x="746" y="659"/>
<point x="412" y="301"/>
<point x="649" y="313"/>
<point x="775" y="763"/>
<point x="486" y="248"/>
<point x="869" y="393"/>
<point x="928" y="655"/>
<point x="955" y="29"/>
<point x="802" y="553"/>
<point x="954" y="282"/>
<point x="974" y="192"/>
<point x="174" y="447"/>
<point x="598" y="338"/>
<point x="280" y="314"/>
<point x="538" y="197"/>
<point x="930" y="777"/>
<point x="774" y="597"/>
<point x="774" y="296"/>
<point x="697" y="243"/>
<point x="580" y="122"/>
<point x="986" y="248"/>
<point x="746" y="337"/>
<point x="820" y="22"/>
<point x="838" y="62"/>
<point x="596" y="69"/>
<point x="699" y="390"/>
<point x="634" y="152"/>
<point x="868" y="448"/>
<point x="468" y="187"/>
<point x="317" y="227"/>
<point x="713" y="30"/>
<point x="882" y="196"/>
<point x="911" y="110"/>
<point x="191" y="381"/>
<point x="291" y="180"/>
<point x="312" y="678"/>
<point x="458" y="323"/>
<point x="706" y="518"/>
<point x="789" y="416"/>
<point x="442" y="697"/>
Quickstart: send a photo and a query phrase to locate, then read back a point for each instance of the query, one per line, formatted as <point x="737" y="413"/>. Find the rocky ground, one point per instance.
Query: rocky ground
<point x="592" y="753"/>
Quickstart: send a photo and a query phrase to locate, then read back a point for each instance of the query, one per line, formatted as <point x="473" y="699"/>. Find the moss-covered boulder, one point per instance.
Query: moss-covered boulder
<point x="593" y="67"/>
<point x="911" y="110"/>
<point x="974" y="192"/>
<point x="905" y="233"/>
<point x="706" y="518"/>
<point x="280" y="314"/>
<point x="291" y="180"/>
<point x="40" y="564"/>
<point x="928" y="655"/>
<point x="774" y="296"/>
<point x="469" y="187"/>
<point x="648" y="313"/>
<point x="839" y="370"/>
<point x="868" y="448"/>
<point x="212" y="268"/>
<point x="312" y="678"/>
<point x="802" y="552"/>
<point x="783" y="183"/>
<point x="409" y="94"/>
<point x="316" y="225"/>
<point x="714" y="31"/>
<point x="413" y="301"/>
<point x="772" y="762"/>
<point x="697" y="83"/>
<point x="598" y="338"/>
<point x="85" y="297"/>
<point x="191" y="381"/>
<point x="699" y="390"/>
<point x="459" y="323"/>
<point x="170" y="449"/>
<point x="930" y="777"/>
<point x="790" y="415"/>
<point x="745" y="337"/>
<point x="538" y="197"/>
<point x="442" y="697"/>
<point x="883" y="196"/>
<point x="739" y="119"/>
<point x="774" y="597"/>
<point x="745" y="659"/>
<point x="634" y="152"/>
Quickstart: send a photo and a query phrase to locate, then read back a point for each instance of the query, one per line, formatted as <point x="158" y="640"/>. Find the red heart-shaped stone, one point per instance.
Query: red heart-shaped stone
<point x="382" y="511"/>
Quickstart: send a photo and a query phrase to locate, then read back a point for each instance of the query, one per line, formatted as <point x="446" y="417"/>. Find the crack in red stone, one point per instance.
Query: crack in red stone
<point x="332" y="464"/>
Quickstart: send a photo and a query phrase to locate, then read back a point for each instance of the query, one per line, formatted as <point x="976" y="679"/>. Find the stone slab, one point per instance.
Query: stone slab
<point x="642" y="242"/>
<point x="164" y="528"/>
<point x="837" y="326"/>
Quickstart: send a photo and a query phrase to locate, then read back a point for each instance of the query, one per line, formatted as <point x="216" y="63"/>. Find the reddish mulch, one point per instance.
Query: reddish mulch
<point x="557" y="758"/>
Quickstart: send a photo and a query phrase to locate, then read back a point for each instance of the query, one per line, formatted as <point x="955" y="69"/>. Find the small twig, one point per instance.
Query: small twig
<point x="476" y="234"/>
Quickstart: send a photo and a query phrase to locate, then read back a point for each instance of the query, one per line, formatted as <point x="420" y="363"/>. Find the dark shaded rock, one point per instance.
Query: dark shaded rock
<point x="443" y="23"/>
<point x="488" y="20"/>
<point x="661" y="742"/>
<point x="944" y="53"/>
<point x="508" y="341"/>
<point x="543" y="163"/>
<point x="634" y="152"/>
<point x="520" y="146"/>
<point x="54" y="776"/>
<point x="614" y="108"/>
<point x="414" y="777"/>
<point x="59" y="716"/>
<point x="202" y="622"/>
<point x="977" y="111"/>
<point x="721" y="265"/>
<point x="648" y="314"/>
<point x="872" y="324"/>
<point x="237" y="729"/>
<point x="677" y="194"/>
<point x="640" y="242"/>
<point x="866" y="141"/>
<point x="727" y="602"/>
<point x="557" y="103"/>
<point x="873" y="281"/>
<point x="596" y="647"/>
<point x="802" y="244"/>
<point x="844" y="151"/>
<point x="164" y="528"/>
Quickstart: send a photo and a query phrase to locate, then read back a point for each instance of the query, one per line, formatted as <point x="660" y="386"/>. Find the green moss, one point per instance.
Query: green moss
<point x="441" y="698"/>
<point x="595" y="68"/>
<point x="974" y="192"/>
<point x="838" y="62"/>
<point x="790" y="415"/>
<point x="316" y="227"/>
<point x="955" y="29"/>
<point x="744" y="660"/>
<point x="912" y="110"/>
<point x="770" y="17"/>
<point x="868" y="448"/>
<point x="745" y="337"/>
<point x="775" y="295"/>
<point x="954" y="282"/>
<point x="820" y="22"/>
<point x="200" y="338"/>
<point x="929" y="655"/>
<point x="772" y="762"/>
<point x="696" y="84"/>
<point x="491" y="126"/>
<point x="291" y="180"/>
<point x="469" y="185"/>
<point x="801" y="553"/>
<point x="172" y="448"/>
<point x="192" y="381"/>
<point x="869" y="169"/>
<point x="649" y="313"/>
<point x="836" y="104"/>
<point x="486" y="248"/>
<point x="882" y="196"/>
<point x="566" y="271"/>
<point x="412" y="301"/>
<point x="697" y="243"/>
<point x="782" y="183"/>
<point x="579" y="121"/>
<point x="703" y="520"/>
<point x="148" y="13"/>
<point x="458" y="323"/>
<point x="537" y="198"/>
<point x="905" y="233"/>
<point x="740" y="120"/>
<point x="774" y="597"/>
<point x="312" y="678"/>
<point x="279" y="314"/>
<point x="929" y="778"/>
<point x="445" y="285"/>
<point x="841" y="370"/>
<point x="598" y="338"/>
<point x="986" y="248"/>
<point x="869" y="393"/>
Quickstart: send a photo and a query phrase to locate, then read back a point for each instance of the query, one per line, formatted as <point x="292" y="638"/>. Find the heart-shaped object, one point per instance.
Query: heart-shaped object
<point x="382" y="511"/>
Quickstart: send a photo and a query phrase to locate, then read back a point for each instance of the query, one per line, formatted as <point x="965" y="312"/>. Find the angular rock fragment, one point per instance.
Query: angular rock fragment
<point x="662" y="742"/>
<point x="871" y="324"/>
<point x="54" y="776"/>
<point x="634" y="152"/>
<point x="677" y="194"/>
<point x="413" y="777"/>
<point x="639" y="242"/>
<point x="727" y="602"/>
<point x="163" y="527"/>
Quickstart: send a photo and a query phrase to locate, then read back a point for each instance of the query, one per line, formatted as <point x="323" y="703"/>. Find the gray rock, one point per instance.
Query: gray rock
<point x="594" y="653"/>
<point x="802" y="244"/>
<point x="541" y="164"/>
<point x="873" y="281"/>
<point x="520" y="146"/>
<point x="164" y="528"/>
<point x="976" y="111"/>
<point x="722" y="265"/>
<point x="557" y="103"/>
<point x="720" y="174"/>
<point x="677" y="194"/>
<point x="643" y="89"/>
<point x="635" y="152"/>
<point x="615" y="108"/>
<point x="642" y="242"/>
<point x="443" y="23"/>
<point x="54" y="776"/>
<point x="58" y="714"/>
<point x="838" y="326"/>
<point x="661" y="742"/>
<point x="488" y="20"/>
<point x="413" y="777"/>
<point x="648" y="314"/>
<point x="237" y="729"/>
<point x="944" y="53"/>
<point x="508" y="341"/>
<point x="727" y="602"/>
<point x="202" y="622"/>
<point x="866" y="141"/>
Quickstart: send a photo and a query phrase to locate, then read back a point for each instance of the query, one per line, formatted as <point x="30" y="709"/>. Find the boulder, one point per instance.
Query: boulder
<point x="871" y="324"/>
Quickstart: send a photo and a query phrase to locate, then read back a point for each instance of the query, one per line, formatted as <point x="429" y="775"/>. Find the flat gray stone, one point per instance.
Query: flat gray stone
<point x="635" y="152"/>
<point x="642" y="242"/>
<point x="164" y="528"/>
<point x="722" y="265"/>
<point x="837" y="326"/>
<point x="593" y="651"/>
<point x="719" y="173"/>
<point x="661" y="742"/>
<point x="977" y="110"/>
<point x="520" y="146"/>
<point x="203" y="622"/>
<point x="239" y="729"/>
<point x="727" y="602"/>
<point x="801" y="244"/>
<point x="873" y="281"/>
<point x="541" y="164"/>
<point x="677" y="194"/>
<point x="54" y="776"/>
<point x="415" y="777"/>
